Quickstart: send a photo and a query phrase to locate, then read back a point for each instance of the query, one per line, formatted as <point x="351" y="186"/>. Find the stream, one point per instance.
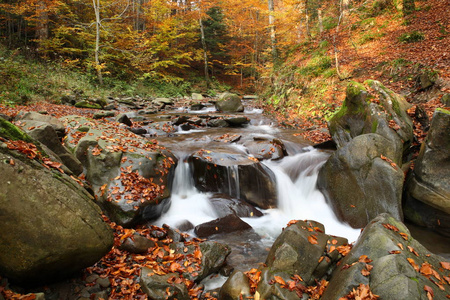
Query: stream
<point x="295" y="176"/>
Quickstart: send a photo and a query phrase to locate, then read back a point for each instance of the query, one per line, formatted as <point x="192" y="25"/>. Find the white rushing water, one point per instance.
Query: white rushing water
<point x="298" y="198"/>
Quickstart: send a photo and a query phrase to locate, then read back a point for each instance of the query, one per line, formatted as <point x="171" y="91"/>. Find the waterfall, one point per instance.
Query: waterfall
<point x="298" y="198"/>
<point x="187" y="203"/>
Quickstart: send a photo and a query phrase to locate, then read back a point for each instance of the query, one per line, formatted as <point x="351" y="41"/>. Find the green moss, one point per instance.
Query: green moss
<point x="12" y="132"/>
<point x="85" y="104"/>
<point x="374" y="126"/>
<point x="354" y="89"/>
<point x="443" y="110"/>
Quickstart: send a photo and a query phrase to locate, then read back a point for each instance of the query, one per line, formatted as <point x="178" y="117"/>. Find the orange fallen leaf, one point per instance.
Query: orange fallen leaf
<point x="445" y="265"/>
<point x="280" y="280"/>
<point x="312" y="240"/>
<point x="413" y="264"/>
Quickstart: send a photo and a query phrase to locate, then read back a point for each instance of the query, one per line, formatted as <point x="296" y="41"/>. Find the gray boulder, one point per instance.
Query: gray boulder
<point x="234" y="174"/>
<point x="50" y="229"/>
<point x="229" y="103"/>
<point x="429" y="182"/>
<point x="130" y="177"/>
<point x="237" y="287"/>
<point x="391" y="262"/>
<point x="360" y="181"/>
<point x="266" y="149"/>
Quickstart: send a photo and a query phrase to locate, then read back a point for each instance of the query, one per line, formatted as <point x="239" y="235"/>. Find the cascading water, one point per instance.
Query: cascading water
<point x="298" y="198"/>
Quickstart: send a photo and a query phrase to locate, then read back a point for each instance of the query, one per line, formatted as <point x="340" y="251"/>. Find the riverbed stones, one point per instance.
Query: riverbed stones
<point x="429" y="182"/>
<point x="396" y="265"/>
<point x="235" y="174"/>
<point x="229" y="102"/>
<point x="50" y="229"/>
<point x="360" y="181"/>
<point x="130" y="176"/>
<point x="224" y="205"/>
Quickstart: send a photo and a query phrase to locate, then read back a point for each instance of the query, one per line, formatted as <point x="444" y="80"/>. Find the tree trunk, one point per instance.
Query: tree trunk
<point x="408" y="7"/>
<point x="319" y="18"/>
<point x="96" y="6"/>
<point x="273" y="37"/>
<point x="205" y="52"/>
<point x="42" y="24"/>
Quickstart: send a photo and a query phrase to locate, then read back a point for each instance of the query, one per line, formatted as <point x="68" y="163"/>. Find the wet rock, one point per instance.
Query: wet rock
<point x="180" y="120"/>
<point x="236" y="287"/>
<point x="429" y="182"/>
<point x="397" y="264"/>
<point x="124" y="119"/>
<point x="162" y="287"/>
<point x="138" y="130"/>
<point x="266" y="149"/>
<point x="237" y="121"/>
<point x="174" y="234"/>
<point x="229" y="103"/>
<point x="103" y="114"/>
<point x="217" y="123"/>
<point x="227" y="224"/>
<point x="111" y="161"/>
<point x="224" y="205"/>
<point x="197" y="106"/>
<point x="50" y="229"/>
<point x="234" y="174"/>
<point x="162" y="102"/>
<point x="137" y="244"/>
<point x="359" y="181"/>
<point x="186" y="127"/>
<point x="227" y="138"/>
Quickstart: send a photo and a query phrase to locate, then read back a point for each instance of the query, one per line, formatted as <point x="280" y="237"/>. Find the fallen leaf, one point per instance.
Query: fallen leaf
<point x="445" y="265"/>
<point x="280" y="280"/>
<point x="312" y="240"/>
<point x="413" y="264"/>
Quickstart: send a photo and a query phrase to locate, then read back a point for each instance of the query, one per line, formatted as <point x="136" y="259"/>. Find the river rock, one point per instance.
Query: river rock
<point x="229" y="103"/>
<point x="162" y="102"/>
<point x="197" y="96"/>
<point x="429" y="182"/>
<point x="237" y="121"/>
<point x="266" y="149"/>
<point x="103" y="114"/>
<point x="228" y="224"/>
<point x="211" y="258"/>
<point x="197" y="106"/>
<point x="131" y="177"/>
<point x="137" y="244"/>
<point x="162" y="287"/>
<point x="236" y="287"/>
<point x="391" y="262"/>
<point x="360" y="181"/>
<point x="124" y="119"/>
<point x="218" y="123"/>
<point x="50" y="229"/>
<point x="235" y="174"/>
<point x="224" y="205"/>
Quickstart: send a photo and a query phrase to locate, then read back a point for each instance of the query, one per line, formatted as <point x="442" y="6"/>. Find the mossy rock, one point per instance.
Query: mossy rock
<point x="10" y="131"/>
<point x="87" y="104"/>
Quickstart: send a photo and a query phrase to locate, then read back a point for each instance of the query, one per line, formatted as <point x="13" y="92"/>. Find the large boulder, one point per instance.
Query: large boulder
<point x="429" y="182"/>
<point x="235" y="174"/>
<point x="131" y="176"/>
<point x="359" y="116"/>
<point x="389" y="261"/>
<point x="50" y="229"/>
<point x="360" y="181"/>
<point x="229" y="103"/>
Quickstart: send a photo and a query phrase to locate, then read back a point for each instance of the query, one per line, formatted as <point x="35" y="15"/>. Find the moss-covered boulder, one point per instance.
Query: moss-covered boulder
<point x="387" y="118"/>
<point x="429" y="183"/>
<point x="131" y="176"/>
<point x="392" y="263"/>
<point x="50" y="229"/>
<point x="229" y="103"/>
<point x="360" y="180"/>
